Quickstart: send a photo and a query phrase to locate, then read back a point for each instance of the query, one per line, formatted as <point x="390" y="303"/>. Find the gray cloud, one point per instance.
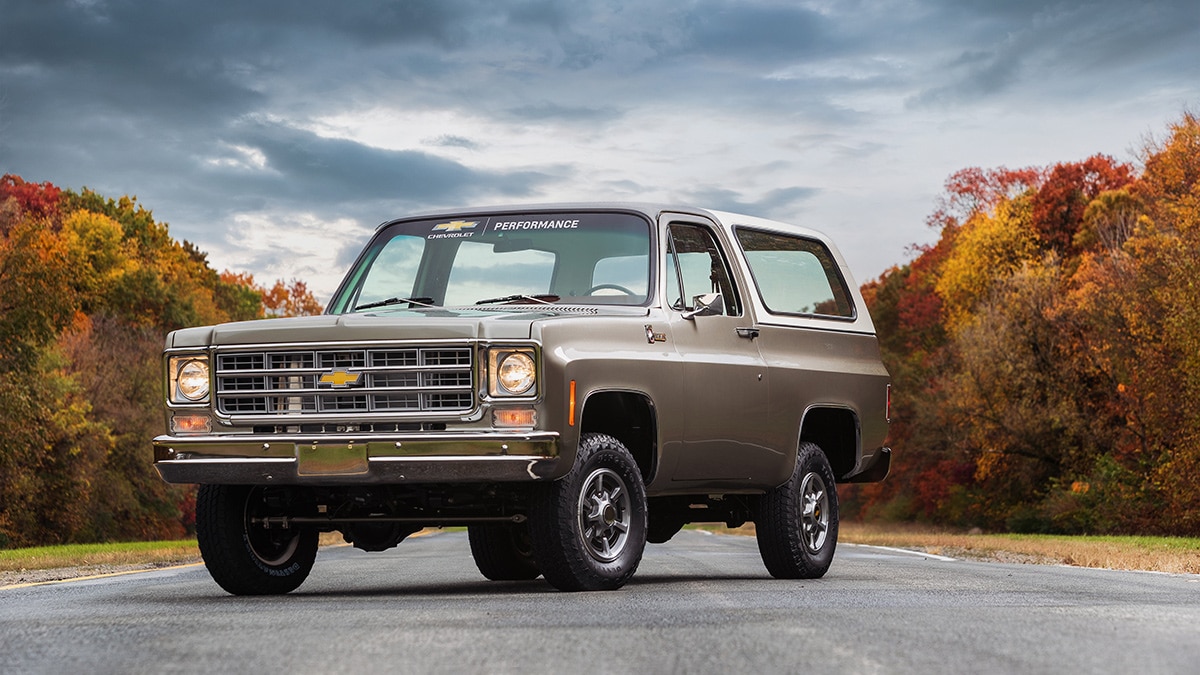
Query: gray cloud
<point x="452" y="141"/>
<point x="301" y="164"/>
<point x="206" y="110"/>
<point x="780" y="203"/>
<point x="546" y="110"/>
<point x="771" y="33"/>
<point x="1062" y="49"/>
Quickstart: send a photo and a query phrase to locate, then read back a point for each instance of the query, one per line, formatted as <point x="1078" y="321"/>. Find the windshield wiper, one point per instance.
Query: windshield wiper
<point x="423" y="302"/>
<point x="542" y="298"/>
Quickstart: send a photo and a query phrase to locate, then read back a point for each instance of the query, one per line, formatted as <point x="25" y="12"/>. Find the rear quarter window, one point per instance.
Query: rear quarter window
<point x="794" y="275"/>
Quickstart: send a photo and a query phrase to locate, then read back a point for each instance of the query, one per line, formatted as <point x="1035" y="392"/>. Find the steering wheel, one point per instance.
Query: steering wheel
<point x="614" y="287"/>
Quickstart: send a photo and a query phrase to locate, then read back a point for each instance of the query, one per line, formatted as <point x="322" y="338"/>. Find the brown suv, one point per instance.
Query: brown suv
<point x="569" y="381"/>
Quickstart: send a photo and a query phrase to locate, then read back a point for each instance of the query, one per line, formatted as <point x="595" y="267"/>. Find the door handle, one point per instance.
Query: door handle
<point x="747" y="332"/>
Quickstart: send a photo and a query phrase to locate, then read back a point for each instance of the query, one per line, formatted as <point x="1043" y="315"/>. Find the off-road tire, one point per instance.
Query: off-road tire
<point x="252" y="560"/>
<point x="589" y="527"/>
<point x="503" y="552"/>
<point x="797" y="523"/>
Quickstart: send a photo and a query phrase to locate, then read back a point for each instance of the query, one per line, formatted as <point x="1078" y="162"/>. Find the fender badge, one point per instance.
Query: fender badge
<point x="652" y="337"/>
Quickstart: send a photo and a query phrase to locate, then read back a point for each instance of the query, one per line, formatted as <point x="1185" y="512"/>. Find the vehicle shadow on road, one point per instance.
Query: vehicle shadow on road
<point x="473" y="588"/>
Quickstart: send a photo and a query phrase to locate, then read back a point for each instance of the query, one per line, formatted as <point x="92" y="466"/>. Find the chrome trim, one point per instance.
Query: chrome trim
<point x="277" y="382"/>
<point x="259" y="346"/>
<point x="384" y="470"/>
<point x="422" y="457"/>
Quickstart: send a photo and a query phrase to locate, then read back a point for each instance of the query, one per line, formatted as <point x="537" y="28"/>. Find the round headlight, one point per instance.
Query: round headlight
<point x="516" y="373"/>
<point x="193" y="380"/>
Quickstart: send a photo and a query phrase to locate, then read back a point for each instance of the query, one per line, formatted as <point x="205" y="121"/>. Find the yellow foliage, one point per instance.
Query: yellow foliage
<point x="1171" y="182"/>
<point x="987" y="464"/>
<point x="989" y="249"/>
<point x="95" y="247"/>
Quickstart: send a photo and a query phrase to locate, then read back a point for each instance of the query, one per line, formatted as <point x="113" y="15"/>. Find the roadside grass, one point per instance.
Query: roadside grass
<point x="153" y="553"/>
<point x="52" y="563"/>
<point x="1177" y="555"/>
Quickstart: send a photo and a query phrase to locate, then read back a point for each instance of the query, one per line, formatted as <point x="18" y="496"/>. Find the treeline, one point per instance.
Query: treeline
<point x="1045" y="352"/>
<point x="89" y="287"/>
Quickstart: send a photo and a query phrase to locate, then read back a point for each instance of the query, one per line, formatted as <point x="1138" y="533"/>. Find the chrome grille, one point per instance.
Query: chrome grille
<point x="389" y="380"/>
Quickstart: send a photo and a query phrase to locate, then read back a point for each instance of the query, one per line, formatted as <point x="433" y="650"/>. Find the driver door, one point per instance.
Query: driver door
<point x="725" y="385"/>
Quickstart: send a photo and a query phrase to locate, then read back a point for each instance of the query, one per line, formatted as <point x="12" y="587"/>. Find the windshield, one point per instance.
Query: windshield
<point x="568" y="258"/>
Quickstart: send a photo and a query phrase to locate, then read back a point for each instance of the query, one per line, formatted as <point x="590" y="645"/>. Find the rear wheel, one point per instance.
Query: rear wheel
<point x="797" y="522"/>
<point x="589" y="527"/>
<point x="503" y="552"/>
<point x="245" y="553"/>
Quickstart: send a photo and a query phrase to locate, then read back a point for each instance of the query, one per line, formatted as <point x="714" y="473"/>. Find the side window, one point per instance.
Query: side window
<point x="795" y="275"/>
<point x="695" y="266"/>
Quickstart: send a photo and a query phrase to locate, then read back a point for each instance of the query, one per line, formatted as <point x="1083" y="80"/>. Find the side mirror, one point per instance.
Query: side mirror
<point x="709" y="304"/>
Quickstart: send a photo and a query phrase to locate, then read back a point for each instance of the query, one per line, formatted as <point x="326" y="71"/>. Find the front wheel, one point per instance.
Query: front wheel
<point x="245" y="553"/>
<point x="589" y="527"/>
<point x="797" y="523"/>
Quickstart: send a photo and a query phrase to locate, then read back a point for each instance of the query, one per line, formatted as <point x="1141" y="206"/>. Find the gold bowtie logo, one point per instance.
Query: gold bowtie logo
<point x="455" y="226"/>
<point x="340" y="379"/>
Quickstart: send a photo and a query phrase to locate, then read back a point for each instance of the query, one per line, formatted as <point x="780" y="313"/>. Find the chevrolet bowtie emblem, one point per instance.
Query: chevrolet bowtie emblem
<point x="455" y="226"/>
<point x="340" y="379"/>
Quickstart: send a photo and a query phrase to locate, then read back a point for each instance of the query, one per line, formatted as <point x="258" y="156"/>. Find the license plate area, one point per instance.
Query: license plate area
<point x="331" y="459"/>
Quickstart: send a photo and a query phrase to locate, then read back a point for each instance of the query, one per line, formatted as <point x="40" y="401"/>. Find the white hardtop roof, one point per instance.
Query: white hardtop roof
<point x="650" y="209"/>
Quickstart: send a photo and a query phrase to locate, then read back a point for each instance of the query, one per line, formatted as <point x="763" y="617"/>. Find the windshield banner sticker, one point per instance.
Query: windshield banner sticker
<point x="465" y="229"/>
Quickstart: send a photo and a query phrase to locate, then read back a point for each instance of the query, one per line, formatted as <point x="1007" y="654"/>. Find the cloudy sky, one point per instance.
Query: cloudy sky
<point x="276" y="135"/>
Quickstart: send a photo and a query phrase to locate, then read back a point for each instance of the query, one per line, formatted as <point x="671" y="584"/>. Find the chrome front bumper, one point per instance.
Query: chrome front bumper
<point x="359" y="459"/>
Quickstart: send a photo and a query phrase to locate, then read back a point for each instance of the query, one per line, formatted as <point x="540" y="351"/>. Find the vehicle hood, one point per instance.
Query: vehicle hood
<point x="492" y="323"/>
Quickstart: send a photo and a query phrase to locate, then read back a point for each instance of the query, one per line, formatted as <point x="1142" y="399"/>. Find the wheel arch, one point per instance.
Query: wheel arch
<point x="835" y="429"/>
<point x="629" y="417"/>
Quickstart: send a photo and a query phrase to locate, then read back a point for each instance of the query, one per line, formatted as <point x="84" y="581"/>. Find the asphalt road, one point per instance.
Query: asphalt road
<point x="699" y="604"/>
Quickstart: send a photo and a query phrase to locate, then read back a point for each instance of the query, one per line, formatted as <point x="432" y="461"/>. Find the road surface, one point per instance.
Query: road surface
<point x="699" y="604"/>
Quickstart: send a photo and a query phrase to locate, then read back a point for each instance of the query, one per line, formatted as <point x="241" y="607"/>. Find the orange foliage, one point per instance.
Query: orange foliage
<point x="88" y="287"/>
<point x="292" y="299"/>
<point x="280" y="300"/>
<point x="1171" y="181"/>
<point x="1067" y="398"/>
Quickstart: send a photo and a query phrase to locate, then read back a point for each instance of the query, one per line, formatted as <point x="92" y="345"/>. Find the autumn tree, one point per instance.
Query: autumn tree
<point x="1108" y="222"/>
<point x="117" y="368"/>
<point x="1157" y="301"/>
<point x="88" y="288"/>
<point x="988" y="249"/>
<point x="241" y="298"/>
<point x="969" y="192"/>
<point x="1170" y="184"/>
<point x="1059" y="204"/>
<point x="290" y="299"/>
<point x="48" y="444"/>
<point x="1063" y="368"/>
